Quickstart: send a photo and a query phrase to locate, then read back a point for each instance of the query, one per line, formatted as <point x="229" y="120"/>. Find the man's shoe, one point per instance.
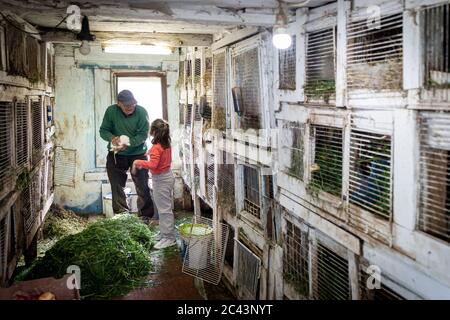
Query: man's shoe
<point x="165" y="243"/>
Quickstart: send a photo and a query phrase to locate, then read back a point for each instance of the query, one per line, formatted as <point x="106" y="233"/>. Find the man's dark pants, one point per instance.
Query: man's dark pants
<point x="117" y="167"/>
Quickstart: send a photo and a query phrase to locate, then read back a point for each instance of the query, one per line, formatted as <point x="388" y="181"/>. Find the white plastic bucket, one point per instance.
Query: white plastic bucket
<point x="198" y="245"/>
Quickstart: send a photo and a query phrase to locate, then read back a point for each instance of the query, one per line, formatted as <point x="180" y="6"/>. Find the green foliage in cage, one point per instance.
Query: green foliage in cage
<point x="301" y="285"/>
<point x="328" y="175"/>
<point x="321" y="89"/>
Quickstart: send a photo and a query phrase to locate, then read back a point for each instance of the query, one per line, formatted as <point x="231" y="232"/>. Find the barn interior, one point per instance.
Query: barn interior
<point x="310" y="144"/>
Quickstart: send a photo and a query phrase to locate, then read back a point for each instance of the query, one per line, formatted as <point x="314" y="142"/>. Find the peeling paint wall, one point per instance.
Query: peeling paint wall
<point x="75" y="116"/>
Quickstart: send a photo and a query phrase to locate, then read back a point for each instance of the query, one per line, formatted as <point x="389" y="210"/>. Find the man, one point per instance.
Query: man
<point x="129" y="119"/>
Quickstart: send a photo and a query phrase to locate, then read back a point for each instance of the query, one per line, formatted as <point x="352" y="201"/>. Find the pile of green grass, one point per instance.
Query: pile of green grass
<point x="61" y="222"/>
<point x="113" y="256"/>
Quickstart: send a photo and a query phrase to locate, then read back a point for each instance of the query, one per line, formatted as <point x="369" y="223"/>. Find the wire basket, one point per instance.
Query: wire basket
<point x="205" y="244"/>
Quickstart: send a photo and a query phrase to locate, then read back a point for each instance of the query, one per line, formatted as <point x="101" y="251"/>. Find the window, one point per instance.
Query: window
<point x="434" y="217"/>
<point x="148" y="89"/>
<point x="287" y="67"/>
<point x="370" y="172"/>
<point x="326" y="161"/>
<point x="320" y="65"/>
<point x="375" y="53"/>
<point x="252" y="191"/>
<point x="296" y="258"/>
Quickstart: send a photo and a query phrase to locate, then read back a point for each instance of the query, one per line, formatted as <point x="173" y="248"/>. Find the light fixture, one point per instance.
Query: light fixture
<point x="85" y="48"/>
<point x="281" y="39"/>
<point x="85" y="36"/>
<point x="137" y="49"/>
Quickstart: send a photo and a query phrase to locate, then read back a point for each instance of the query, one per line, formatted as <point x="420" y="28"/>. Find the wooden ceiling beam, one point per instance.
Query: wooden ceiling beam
<point x="168" y="39"/>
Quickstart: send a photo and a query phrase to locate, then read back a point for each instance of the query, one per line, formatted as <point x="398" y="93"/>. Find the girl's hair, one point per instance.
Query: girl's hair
<point x="159" y="129"/>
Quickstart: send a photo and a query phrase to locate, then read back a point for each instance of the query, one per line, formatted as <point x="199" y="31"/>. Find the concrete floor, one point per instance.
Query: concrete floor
<point x="168" y="282"/>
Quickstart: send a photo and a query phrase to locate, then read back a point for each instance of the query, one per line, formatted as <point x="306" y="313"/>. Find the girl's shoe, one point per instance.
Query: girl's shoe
<point x="165" y="243"/>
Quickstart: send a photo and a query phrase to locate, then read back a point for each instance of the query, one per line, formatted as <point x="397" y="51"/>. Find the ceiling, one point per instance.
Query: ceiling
<point x="170" y="16"/>
<point x="170" y="22"/>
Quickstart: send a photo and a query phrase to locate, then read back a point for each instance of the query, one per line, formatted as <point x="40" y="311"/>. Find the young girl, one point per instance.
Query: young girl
<point x="159" y="164"/>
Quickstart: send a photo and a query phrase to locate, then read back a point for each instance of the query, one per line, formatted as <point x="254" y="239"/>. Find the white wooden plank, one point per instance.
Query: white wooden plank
<point x="102" y="85"/>
<point x="334" y="232"/>
<point x="234" y="37"/>
<point x="341" y="53"/>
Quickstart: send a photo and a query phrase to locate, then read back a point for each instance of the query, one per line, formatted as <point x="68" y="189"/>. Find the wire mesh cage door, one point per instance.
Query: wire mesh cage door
<point x="435" y="21"/>
<point x="37" y="130"/>
<point x="219" y="71"/>
<point x="210" y="177"/>
<point x="434" y="214"/>
<point x="65" y="165"/>
<point x="6" y="118"/>
<point x="375" y="52"/>
<point x="248" y="273"/>
<point x="329" y="271"/>
<point x="321" y="66"/>
<point x="21" y="136"/>
<point x="205" y="244"/>
<point x="326" y="159"/>
<point x="247" y="78"/>
<point x="296" y="256"/>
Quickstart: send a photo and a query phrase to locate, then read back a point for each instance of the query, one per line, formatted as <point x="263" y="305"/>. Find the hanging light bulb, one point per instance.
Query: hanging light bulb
<point x="85" y="36"/>
<point x="281" y="39"/>
<point x="85" y="48"/>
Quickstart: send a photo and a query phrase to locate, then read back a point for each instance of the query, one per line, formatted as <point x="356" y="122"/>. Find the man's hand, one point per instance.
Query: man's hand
<point x="115" y="140"/>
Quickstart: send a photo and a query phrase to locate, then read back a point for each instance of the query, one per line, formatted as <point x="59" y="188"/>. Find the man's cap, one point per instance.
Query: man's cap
<point x="126" y="97"/>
